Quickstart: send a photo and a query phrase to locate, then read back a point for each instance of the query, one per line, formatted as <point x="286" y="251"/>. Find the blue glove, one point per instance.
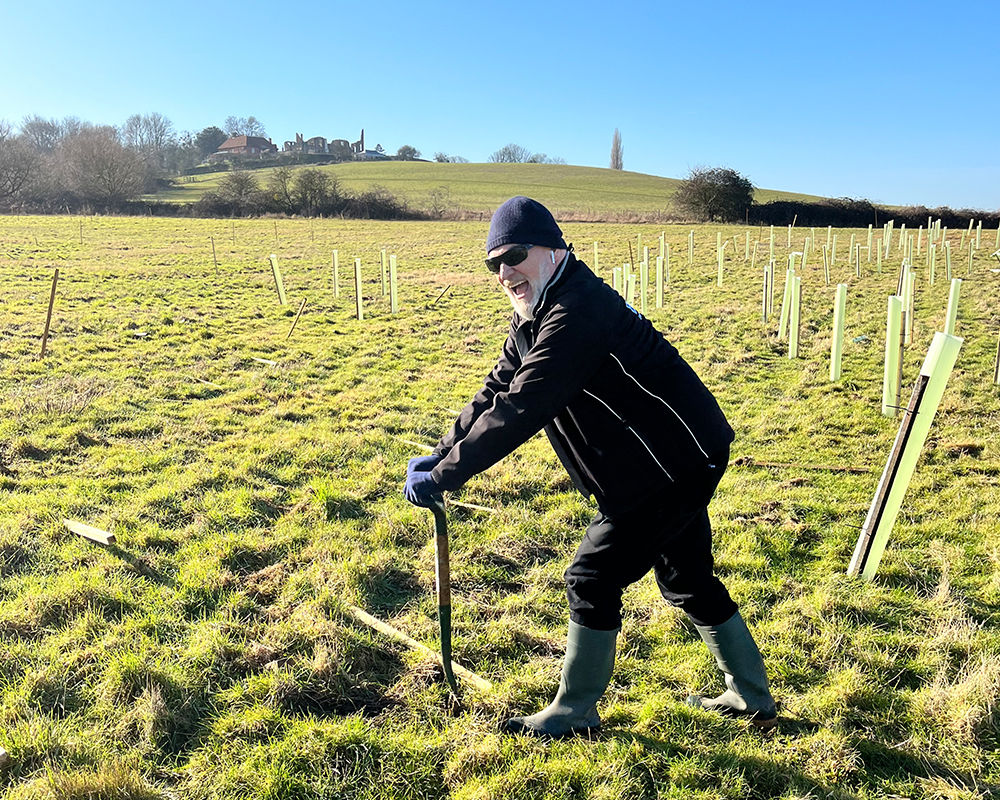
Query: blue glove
<point x="421" y="489"/>
<point x="421" y="464"/>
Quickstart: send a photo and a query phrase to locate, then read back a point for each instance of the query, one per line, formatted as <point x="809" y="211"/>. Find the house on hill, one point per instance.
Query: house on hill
<point x="244" y="146"/>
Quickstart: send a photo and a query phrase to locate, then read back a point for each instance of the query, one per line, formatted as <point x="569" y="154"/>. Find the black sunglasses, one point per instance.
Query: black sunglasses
<point x="511" y="258"/>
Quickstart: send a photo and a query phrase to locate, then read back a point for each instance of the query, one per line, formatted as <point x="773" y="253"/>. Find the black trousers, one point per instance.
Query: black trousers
<point x="666" y="535"/>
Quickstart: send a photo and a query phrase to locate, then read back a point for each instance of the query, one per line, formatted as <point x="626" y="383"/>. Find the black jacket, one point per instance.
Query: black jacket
<point x="627" y="416"/>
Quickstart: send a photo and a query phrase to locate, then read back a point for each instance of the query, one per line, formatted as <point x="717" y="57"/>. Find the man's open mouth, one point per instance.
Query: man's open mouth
<point x="519" y="290"/>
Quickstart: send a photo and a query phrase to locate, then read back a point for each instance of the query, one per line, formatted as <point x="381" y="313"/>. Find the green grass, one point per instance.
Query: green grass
<point x="209" y="653"/>
<point x="570" y="192"/>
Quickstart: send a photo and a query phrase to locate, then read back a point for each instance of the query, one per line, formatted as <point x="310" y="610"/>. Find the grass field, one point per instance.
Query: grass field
<point x="583" y="192"/>
<point x="209" y="652"/>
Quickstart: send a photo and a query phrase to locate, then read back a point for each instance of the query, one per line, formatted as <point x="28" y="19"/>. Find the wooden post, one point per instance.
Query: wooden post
<point x="890" y="375"/>
<point x="902" y="462"/>
<point x="659" y="281"/>
<point x="837" y="346"/>
<point x="952" y="313"/>
<point x="278" y="282"/>
<point x="295" y="321"/>
<point x="48" y="315"/>
<point x="796" y="316"/>
<point x="996" y="364"/>
<point x="357" y="287"/>
<point x="89" y="532"/>
<point x="336" y="274"/>
<point x="393" y="296"/>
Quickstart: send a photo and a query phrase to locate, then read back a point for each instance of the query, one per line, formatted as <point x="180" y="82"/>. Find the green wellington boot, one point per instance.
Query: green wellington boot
<point x="747" y="694"/>
<point x="590" y="657"/>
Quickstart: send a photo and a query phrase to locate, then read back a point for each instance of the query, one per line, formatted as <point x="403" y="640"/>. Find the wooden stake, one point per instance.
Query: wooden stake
<point x="996" y="364"/>
<point x="837" y="346"/>
<point x="903" y="457"/>
<point x="89" y="532"/>
<point x="48" y="316"/>
<point x="278" y="282"/>
<point x="296" y="320"/>
<point x="394" y="633"/>
<point x="890" y="375"/>
<point x="357" y="287"/>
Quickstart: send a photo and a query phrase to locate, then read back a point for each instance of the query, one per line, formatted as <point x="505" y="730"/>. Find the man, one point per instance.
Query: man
<point x="636" y="429"/>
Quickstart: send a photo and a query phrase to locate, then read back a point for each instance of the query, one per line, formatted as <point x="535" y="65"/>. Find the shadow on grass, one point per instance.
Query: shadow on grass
<point x="141" y="567"/>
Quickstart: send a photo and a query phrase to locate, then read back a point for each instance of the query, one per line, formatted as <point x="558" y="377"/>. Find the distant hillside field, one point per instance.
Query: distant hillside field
<point x="587" y="192"/>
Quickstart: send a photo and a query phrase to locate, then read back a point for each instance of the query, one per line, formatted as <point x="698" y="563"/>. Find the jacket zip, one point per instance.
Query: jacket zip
<point x="632" y="430"/>
<point x="679" y="417"/>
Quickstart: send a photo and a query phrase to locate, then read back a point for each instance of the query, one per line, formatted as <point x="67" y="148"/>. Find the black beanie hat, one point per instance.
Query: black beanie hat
<point x="522" y="220"/>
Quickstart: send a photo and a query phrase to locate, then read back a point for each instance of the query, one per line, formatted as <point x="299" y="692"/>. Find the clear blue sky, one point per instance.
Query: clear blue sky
<point x="897" y="102"/>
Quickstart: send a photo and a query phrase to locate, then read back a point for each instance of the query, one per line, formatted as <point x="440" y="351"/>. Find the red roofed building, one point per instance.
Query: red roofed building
<point x="244" y="146"/>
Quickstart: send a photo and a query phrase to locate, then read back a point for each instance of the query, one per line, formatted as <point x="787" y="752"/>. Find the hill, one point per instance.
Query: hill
<point x="570" y="191"/>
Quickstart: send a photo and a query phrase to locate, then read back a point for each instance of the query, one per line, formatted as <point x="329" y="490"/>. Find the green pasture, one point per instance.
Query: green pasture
<point x="583" y="192"/>
<point x="209" y="653"/>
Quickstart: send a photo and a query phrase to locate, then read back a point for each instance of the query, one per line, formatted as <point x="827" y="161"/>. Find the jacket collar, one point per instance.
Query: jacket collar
<point x="565" y="268"/>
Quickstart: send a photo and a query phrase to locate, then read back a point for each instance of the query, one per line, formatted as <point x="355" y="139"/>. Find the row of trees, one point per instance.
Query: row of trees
<point x="307" y="192"/>
<point x="70" y="163"/>
<point x="516" y="154"/>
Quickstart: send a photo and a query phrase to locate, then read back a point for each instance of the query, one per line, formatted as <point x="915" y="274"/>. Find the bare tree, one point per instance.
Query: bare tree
<point x="42" y="134"/>
<point x="100" y="168"/>
<point x="18" y="163"/>
<point x="407" y="153"/>
<point x="279" y="187"/>
<point x="312" y="190"/>
<point x="616" y="151"/>
<point x="244" y="126"/>
<point x="511" y="154"/>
